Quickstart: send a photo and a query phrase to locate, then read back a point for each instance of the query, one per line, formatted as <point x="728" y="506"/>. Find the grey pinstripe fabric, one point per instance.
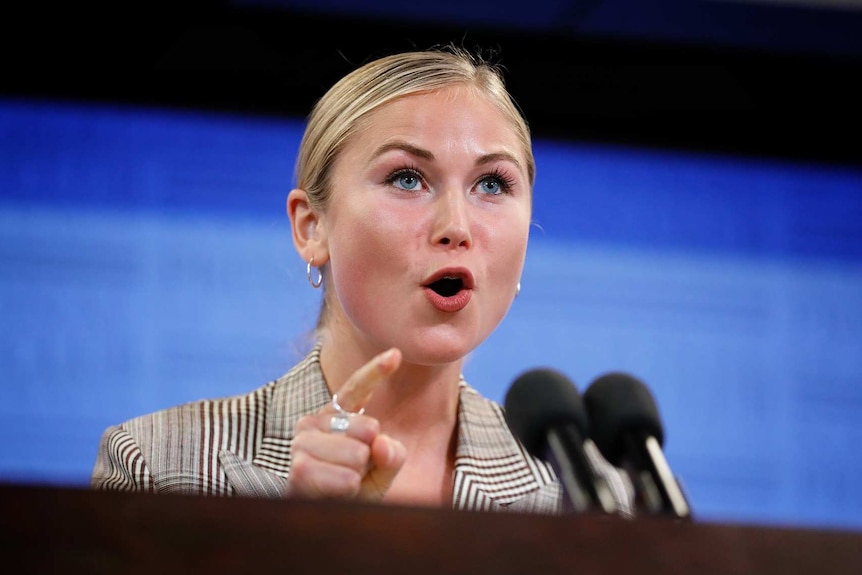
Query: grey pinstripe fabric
<point x="241" y="446"/>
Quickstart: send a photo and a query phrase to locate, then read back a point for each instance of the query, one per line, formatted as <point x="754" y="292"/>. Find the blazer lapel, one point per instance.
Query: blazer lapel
<point x="249" y="480"/>
<point x="300" y="391"/>
<point x="492" y="470"/>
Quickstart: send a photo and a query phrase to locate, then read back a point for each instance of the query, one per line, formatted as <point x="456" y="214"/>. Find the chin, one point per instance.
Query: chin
<point x="438" y="350"/>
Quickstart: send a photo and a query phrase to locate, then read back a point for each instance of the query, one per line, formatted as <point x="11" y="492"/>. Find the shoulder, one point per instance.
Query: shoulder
<point x="179" y="449"/>
<point x="240" y="412"/>
<point x="175" y="450"/>
<point x="200" y="414"/>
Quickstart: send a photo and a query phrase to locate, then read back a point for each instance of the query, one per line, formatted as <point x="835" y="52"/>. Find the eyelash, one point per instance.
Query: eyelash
<point x="505" y="182"/>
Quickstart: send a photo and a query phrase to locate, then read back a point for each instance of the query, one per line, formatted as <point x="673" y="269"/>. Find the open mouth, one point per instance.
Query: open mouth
<point x="447" y="286"/>
<point x="449" y="290"/>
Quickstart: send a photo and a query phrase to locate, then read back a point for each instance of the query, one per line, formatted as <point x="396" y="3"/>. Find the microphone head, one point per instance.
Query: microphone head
<point x="539" y="399"/>
<point x="618" y="404"/>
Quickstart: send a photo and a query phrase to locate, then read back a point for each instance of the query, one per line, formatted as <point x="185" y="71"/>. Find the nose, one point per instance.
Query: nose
<point x="452" y="221"/>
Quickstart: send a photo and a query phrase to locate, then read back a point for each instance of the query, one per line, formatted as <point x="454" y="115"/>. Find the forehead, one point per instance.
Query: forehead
<point x="453" y="116"/>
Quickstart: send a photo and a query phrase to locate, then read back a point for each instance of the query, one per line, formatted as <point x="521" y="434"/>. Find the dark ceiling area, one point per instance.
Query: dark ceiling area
<point x="577" y="78"/>
<point x="787" y="26"/>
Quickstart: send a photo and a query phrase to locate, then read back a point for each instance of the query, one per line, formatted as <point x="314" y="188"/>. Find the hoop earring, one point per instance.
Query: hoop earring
<point x="518" y="289"/>
<point x="319" y="282"/>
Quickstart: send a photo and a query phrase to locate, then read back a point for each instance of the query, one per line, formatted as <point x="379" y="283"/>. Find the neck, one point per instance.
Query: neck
<point x="417" y="397"/>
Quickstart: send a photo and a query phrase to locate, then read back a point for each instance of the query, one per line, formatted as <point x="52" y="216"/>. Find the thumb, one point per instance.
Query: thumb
<point x="387" y="457"/>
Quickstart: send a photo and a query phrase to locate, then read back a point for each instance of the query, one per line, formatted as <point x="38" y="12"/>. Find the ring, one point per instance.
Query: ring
<point x="339" y="423"/>
<point x="343" y="411"/>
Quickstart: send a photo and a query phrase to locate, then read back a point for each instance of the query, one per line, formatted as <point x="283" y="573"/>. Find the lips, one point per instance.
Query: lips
<point x="449" y="290"/>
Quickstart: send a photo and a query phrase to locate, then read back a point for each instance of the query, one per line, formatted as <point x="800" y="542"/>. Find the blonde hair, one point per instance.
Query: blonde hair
<point x="340" y="112"/>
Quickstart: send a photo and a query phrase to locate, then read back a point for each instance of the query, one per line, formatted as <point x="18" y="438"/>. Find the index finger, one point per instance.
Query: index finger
<point x="354" y="394"/>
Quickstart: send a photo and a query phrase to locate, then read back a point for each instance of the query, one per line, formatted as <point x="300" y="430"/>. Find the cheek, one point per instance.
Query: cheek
<point x="507" y="241"/>
<point x="369" y="246"/>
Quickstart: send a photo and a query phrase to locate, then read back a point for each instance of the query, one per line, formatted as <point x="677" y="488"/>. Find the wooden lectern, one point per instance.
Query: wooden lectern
<point x="57" y="530"/>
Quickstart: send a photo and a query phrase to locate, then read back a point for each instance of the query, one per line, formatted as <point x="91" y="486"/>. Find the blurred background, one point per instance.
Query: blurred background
<point x="698" y="207"/>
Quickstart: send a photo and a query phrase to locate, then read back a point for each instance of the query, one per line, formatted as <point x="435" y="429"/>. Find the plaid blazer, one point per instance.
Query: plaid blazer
<point x="240" y="446"/>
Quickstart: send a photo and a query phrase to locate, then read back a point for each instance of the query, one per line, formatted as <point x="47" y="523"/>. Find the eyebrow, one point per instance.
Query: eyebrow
<point x="404" y="147"/>
<point x="427" y="155"/>
<point x="498" y="156"/>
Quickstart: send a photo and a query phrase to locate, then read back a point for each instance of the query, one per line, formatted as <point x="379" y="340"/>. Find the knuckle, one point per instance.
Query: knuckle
<point x="306" y="423"/>
<point x="364" y="428"/>
<point x="299" y="445"/>
<point x="352" y="482"/>
<point x="361" y="456"/>
<point x="300" y="466"/>
<point x="373" y="426"/>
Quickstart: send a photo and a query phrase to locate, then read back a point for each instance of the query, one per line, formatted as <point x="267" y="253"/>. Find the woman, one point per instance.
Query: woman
<point x="412" y="210"/>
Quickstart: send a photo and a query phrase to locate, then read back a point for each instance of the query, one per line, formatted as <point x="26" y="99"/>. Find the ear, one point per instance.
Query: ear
<point x="309" y="234"/>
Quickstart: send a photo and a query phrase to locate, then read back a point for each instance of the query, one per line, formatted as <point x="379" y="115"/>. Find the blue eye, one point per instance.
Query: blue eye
<point x="405" y="179"/>
<point x="495" y="184"/>
<point x="491" y="186"/>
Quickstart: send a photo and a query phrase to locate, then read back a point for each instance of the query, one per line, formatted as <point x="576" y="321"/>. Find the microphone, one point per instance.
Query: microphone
<point x="545" y="412"/>
<point x="627" y="429"/>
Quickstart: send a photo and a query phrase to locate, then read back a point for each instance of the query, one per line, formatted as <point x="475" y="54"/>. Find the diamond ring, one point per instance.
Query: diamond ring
<point x="339" y="423"/>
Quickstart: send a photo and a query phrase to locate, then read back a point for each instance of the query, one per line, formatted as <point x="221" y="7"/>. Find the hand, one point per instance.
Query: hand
<point x="358" y="464"/>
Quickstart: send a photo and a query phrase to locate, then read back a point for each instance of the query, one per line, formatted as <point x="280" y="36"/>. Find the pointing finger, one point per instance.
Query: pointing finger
<point x="357" y="390"/>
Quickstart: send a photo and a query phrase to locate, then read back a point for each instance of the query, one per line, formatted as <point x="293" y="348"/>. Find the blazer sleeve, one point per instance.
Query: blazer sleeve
<point x="120" y="464"/>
